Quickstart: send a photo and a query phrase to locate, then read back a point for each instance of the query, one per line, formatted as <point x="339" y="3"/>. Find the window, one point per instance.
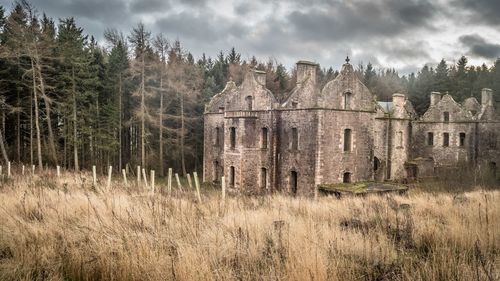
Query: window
<point x="263" y="178"/>
<point x="347" y="140"/>
<point x="347" y="100"/>
<point x="231" y="176"/>
<point x="295" y="139"/>
<point x="293" y="182"/>
<point x="430" y="138"/>
<point x="400" y="139"/>
<point x="217" y="136"/>
<point x="294" y="104"/>
<point x="221" y="109"/>
<point x="446" y="139"/>
<point x="462" y="139"/>
<point x="216" y="171"/>
<point x="264" y="138"/>
<point x="346" y="178"/>
<point x="446" y="116"/>
<point x="232" y="136"/>
<point x="249" y="100"/>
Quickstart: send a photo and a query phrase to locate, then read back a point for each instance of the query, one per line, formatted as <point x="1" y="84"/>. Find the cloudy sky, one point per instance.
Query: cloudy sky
<point x="402" y="34"/>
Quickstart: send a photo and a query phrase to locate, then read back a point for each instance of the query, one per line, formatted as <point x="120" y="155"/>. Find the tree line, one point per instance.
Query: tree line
<point x="138" y="98"/>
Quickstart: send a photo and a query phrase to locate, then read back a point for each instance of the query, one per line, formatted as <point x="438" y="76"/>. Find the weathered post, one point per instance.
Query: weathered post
<point x="8" y="169"/>
<point x="94" y="176"/>
<point x="197" y="184"/>
<point x="22" y="173"/>
<point x="178" y="182"/>
<point x="33" y="170"/>
<point x="110" y="171"/>
<point x="223" y="185"/>
<point x="189" y="181"/>
<point x="138" y="175"/>
<point x="58" y="169"/>
<point x="1" y="170"/>
<point x="169" y="182"/>
<point x="145" y="178"/>
<point x="124" y="173"/>
<point x="152" y="176"/>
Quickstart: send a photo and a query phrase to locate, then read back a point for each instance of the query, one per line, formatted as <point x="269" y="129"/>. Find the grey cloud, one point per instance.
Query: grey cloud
<point x="149" y="6"/>
<point x="485" y="11"/>
<point x="480" y="47"/>
<point x="347" y="20"/>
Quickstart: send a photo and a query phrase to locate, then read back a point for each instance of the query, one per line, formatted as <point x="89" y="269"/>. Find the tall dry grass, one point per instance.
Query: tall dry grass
<point x="67" y="230"/>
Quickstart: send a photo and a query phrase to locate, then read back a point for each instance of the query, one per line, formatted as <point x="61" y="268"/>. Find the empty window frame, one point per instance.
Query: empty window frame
<point x="217" y="136"/>
<point x="400" y="139"/>
<point x="347" y="139"/>
<point x="249" y="100"/>
<point x="346" y="177"/>
<point x="232" y="137"/>
<point x="461" y="138"/>
<point x="231" y="176"/>
<point x="263" y="178"/>
<point x="446" y="116"/>
<point x="295" y="139"/>
<point x="293" y="182"/>
<point x="264" y="138"/>
<point x="446" y="139"/>
<point x="430" y="138"/>
<point x="347" y="100"/>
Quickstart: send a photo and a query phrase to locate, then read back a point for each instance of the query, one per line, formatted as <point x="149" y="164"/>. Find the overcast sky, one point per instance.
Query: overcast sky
<point x="401" y="34"/>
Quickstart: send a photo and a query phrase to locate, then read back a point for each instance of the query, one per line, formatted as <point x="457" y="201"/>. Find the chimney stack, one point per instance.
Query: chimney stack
<point x="435" y="98"/>
<point x="260" y="77"/>
<point x="306" y="69"/>
<point x="486" y="97"/>
<point x="398" y="101"/>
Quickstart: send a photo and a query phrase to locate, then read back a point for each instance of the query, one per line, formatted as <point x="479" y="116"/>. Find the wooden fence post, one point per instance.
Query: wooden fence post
<point x="223" y="185"/>
<point x="8" y="169"/>
<point x="145" y="178"/>
<point x="110" y="172"/>
<point x="152" y="176"/>
<point x="1" y="170"/>
<point x="197" y="184"/>
<point x="178" y="182"/>
<point x="22" y="173"/>
<point x="94" y="176"/>
<point x="169" y="182"/>
<point x="58" y="169"/>
<point x="138" y="175"/>
<point x="124" y="173"/>
<point x="189" y="181"/>
<point x="33" y="168"/>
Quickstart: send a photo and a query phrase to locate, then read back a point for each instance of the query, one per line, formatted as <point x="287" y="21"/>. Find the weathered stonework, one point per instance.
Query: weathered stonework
<point x="338" y="134"/>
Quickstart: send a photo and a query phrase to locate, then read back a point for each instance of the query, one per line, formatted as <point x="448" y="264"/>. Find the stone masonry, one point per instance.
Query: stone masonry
<point x="339" y="133"/>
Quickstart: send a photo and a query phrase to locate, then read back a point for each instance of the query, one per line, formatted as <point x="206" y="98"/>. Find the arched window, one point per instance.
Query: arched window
<point x="346" y="177"/>
<point x="249" y="100"/>
<point x="347" y="140"/>
<point x="347" y="100"/>
<point x="462" y="139"/>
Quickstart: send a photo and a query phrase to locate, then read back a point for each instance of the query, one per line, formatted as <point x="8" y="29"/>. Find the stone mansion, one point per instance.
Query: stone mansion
<point x="339" y="133"/>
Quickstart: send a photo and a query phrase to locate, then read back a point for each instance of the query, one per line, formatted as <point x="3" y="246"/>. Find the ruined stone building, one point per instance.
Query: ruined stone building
<point x="339" y="133"/>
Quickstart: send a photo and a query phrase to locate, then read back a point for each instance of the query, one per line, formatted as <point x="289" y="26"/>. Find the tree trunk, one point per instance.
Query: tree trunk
<point x="143" y="113"/>
<point x="2" y="148"/>
<point x="120" y="121"/>
<point x="161" y="123"/>
<point x="75" y="138"/>
<point x="183" y="162"/>
<point x="52" y="146"/>
<point x="37" y="125"/>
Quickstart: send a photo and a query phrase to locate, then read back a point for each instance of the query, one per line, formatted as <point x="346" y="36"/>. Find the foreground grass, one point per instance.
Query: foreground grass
<point x="66" y="230"/>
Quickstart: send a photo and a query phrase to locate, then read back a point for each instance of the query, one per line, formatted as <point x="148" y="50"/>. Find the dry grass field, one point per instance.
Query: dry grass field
<point x="64" y="229"/>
